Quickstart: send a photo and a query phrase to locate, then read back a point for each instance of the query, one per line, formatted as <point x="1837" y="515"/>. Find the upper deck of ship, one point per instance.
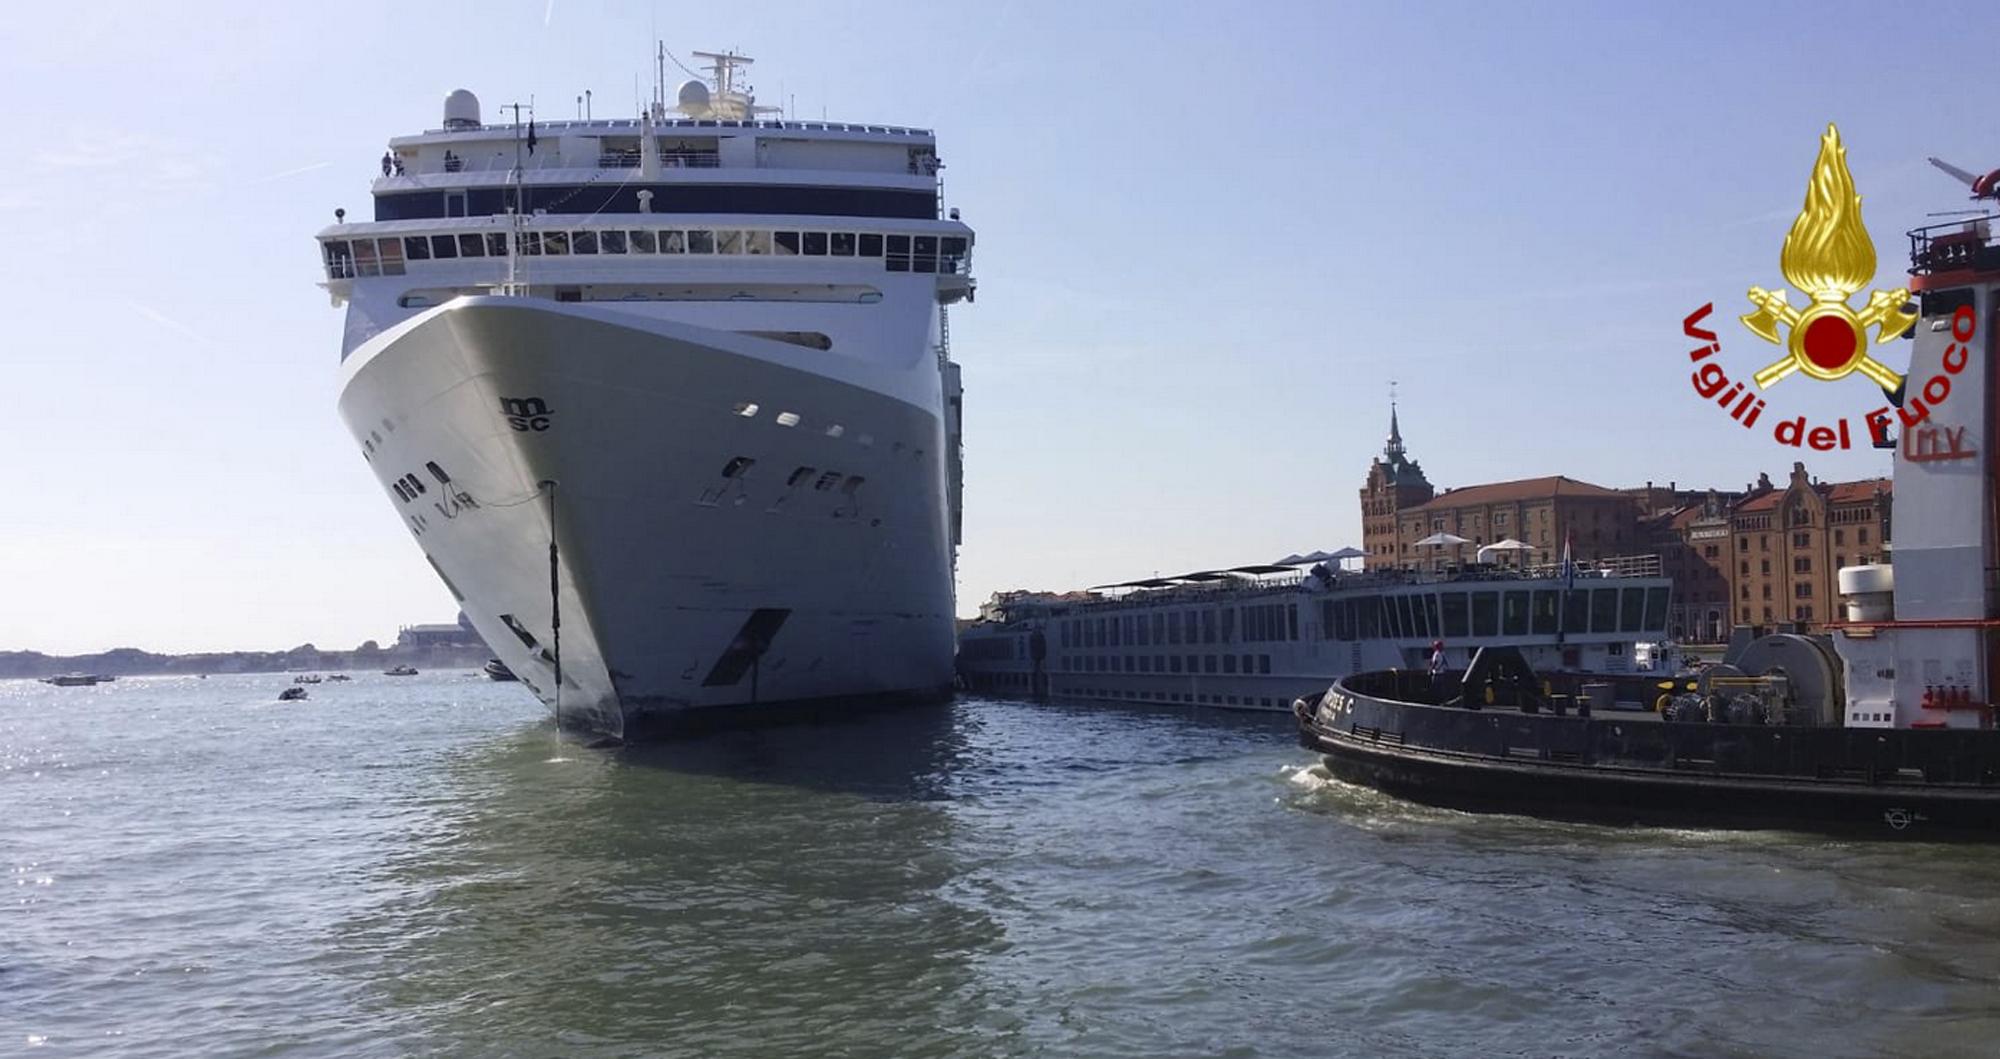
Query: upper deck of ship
<point x="1226" y="585"/>
<point x="714" y="150"/>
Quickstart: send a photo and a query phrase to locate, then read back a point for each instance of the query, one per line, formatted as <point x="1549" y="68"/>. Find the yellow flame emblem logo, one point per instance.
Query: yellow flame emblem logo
<point x="1828" y="256"/>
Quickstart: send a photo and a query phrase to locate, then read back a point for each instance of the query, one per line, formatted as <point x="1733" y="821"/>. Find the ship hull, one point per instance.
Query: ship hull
<point x="739" y="537"/>
<point x="1624" y="767"/>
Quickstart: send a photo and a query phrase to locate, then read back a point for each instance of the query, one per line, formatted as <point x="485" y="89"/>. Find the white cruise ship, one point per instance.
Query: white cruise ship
<point x="667" y="401"/>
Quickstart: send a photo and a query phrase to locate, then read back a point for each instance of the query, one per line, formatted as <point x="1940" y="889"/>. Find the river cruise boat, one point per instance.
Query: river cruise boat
<point x="1257" y="637"/>
<point x="666" y="399"/>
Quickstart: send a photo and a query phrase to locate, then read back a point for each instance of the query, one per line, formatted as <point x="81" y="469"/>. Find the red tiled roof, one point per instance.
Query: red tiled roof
<point x="1851" y="492"/>
<point x="1833" y="492"/>
<point x="1521" y="489"/>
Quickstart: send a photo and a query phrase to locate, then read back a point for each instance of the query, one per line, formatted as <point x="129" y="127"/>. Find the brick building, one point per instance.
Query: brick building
<point x="1790" y="542"/>
<point x="1399" y="507"/>
<point x="1760" y="556"/>
<point x="1695" y="549"/>
<point x="1395" y="483"/>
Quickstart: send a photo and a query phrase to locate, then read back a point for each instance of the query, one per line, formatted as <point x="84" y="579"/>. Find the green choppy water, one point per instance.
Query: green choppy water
<point x="418" y="867"/>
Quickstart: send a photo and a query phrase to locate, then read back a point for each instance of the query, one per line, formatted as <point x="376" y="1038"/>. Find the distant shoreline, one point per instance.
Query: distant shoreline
<point x="132" y="662"/>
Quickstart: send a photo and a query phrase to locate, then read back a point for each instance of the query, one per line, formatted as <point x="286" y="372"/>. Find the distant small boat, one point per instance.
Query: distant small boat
<point x="292" y="694"/>
<point x="306" y="678"/>
<point x="77" y="680"/>
<point x="400" y="671"/>
<point x="497" y="670"/>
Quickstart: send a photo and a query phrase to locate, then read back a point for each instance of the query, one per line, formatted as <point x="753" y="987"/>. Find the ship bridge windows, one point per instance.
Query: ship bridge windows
<point x="1485" y="614"/>
<point x="1544" y="612"/>
<point x="1576" y="611"/>
<point x="900" y="253"/>
<point x="1656" y="608"/>
<point x="1604" y="610"/>
<point x="1632" y="610"/>
<point x="1514" y="613"/>
<point x="1457" y="615"/>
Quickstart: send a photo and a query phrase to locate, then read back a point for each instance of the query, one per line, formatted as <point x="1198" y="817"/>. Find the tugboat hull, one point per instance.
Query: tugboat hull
<point x="1626" y="767"/>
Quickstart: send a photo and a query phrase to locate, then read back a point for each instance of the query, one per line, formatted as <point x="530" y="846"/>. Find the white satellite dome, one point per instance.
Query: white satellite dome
<point x="693" y="97"/>
<point x="461" y="110"/>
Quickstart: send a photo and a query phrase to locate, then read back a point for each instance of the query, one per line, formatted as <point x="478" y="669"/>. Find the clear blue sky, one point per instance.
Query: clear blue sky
<point x="1209" y="236"/>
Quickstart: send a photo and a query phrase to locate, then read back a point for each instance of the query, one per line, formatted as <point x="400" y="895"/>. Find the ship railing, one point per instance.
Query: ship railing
<point x="1613" y="566"/>
<point x="600" y="125"/>
<point x="1954" y="246"/>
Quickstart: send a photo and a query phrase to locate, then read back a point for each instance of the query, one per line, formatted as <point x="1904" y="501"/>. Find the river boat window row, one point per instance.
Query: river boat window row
<point x="1400" y="616"/>
<point x="1264" y="623"/>
<point x="390" y="255"/>
<point x="1210" y="665"/>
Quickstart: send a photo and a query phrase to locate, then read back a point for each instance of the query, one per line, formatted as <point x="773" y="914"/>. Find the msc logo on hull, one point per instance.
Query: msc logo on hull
<point x="526" y="413"/>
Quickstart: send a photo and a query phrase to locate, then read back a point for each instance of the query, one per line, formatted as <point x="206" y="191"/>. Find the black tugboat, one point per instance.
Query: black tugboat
<point x="1885" y="723"/>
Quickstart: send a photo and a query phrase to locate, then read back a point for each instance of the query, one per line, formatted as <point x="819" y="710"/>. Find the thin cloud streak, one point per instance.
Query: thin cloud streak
<point x="289" y="173"/>
<point x="171" y="324"/>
